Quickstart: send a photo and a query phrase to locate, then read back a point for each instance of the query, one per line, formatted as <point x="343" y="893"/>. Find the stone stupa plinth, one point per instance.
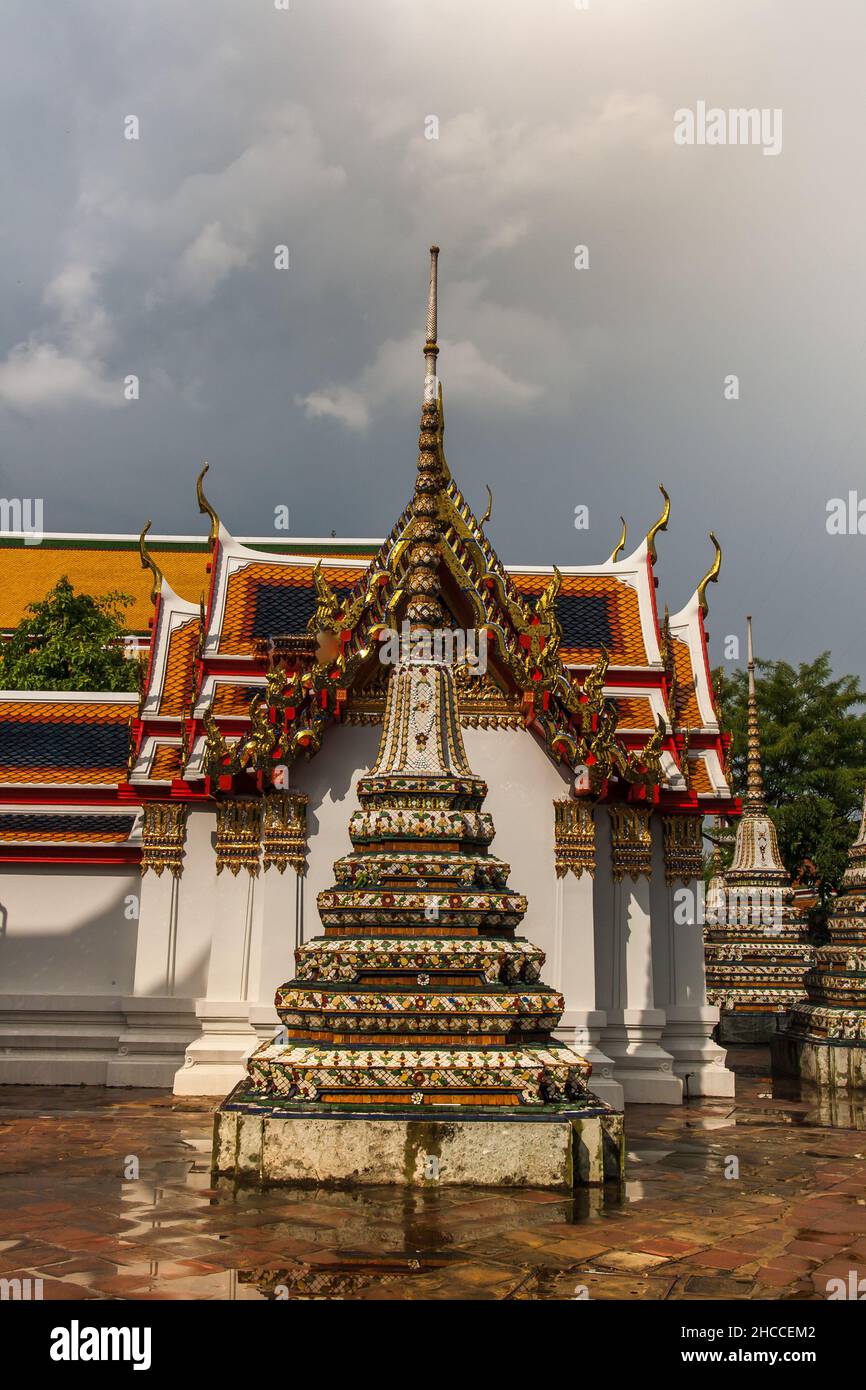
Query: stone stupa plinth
<point x="418" y="1042"/>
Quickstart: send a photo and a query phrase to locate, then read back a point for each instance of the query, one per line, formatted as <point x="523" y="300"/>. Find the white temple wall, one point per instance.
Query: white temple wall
<point x="68" y="929"/>
<point x="523" y="783"/>
<point x="67" y="958"/>
<point x="329" y="780"/>
<point x="181" y="996"/>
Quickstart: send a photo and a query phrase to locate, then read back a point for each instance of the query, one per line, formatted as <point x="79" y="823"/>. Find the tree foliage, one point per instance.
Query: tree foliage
<point x="813" y="751"/>
<point x="70" y="641"/>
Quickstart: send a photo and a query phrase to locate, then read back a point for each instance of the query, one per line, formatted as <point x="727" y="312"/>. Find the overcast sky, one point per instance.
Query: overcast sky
<point x="260" y="127"/>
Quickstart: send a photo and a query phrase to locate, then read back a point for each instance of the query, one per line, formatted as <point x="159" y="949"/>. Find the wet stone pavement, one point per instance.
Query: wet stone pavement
<point x="679" y="1227"/>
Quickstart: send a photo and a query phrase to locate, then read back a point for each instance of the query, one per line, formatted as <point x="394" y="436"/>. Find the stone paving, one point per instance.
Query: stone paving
<point x="680" y="1228"/>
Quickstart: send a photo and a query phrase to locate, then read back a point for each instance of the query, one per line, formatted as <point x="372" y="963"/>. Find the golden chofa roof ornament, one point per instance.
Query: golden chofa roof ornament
<point x="148" y="563"/>
<point x="620" y="545"/>
<point x="711" y="576"/>
<point x="204" y="505"/>
<point x="660" y="525"/>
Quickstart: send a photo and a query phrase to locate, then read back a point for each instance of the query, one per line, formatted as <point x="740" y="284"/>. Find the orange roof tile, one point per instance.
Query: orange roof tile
<point x="166" y="763"/>
<point x="600" y="605"/>
<point x="699" y="780"/>
<point x="177" y="684"/>
<point x="27" y="573"/>
<point x="687" y="701"/>
<point x="287" y="597"/>
<point x="635" y="712"/>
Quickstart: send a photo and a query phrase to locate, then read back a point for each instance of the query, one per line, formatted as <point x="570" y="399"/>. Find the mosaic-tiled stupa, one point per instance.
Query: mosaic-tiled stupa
<point x="755" y="939"/>
<point x="824" y="1038"/>
<point x="418" y="1020"/>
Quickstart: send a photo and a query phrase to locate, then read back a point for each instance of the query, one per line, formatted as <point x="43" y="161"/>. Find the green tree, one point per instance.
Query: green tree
<point x="69" y="641"/>
<point x="813" y="752"/>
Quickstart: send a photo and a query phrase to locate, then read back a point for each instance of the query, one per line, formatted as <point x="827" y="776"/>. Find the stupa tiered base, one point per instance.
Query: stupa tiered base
<point x="755" y="979"/>
<point x="824" y="1040"/>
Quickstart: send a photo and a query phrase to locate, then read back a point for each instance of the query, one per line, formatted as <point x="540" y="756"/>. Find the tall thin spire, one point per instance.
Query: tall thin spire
<point x="422" y="579"/>
<point x="754" y="799"/>
<point x="431" y="348"/>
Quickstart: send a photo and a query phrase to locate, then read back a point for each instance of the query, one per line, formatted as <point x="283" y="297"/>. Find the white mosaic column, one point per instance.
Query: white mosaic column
<point x="632" y="1036"/>
<point x="678" y="958"/>
<point x="572" y="961"/>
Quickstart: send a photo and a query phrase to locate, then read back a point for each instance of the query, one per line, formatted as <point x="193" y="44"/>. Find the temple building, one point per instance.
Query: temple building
<point x="757" y="946"/>
<point x="824" y="1038"/>
<point x="162" y="852"/>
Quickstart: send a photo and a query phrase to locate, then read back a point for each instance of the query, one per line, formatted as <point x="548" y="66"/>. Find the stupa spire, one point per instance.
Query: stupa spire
<point x="754" y="799"/>
<point x="431" y="347"/>
<point x="422" y="580"/>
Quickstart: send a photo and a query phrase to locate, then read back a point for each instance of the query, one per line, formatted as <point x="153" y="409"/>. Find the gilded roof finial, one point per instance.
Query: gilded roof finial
<point x="431" y="348"/>
<point x="620" y="545"/>
<point x="488" y="512"/>
<point x="711" y="576"/>
<point x="422" y="580"/>
<point x="148" y="563"/>
<point x="204" y="505"/>
<point x="660" y="525"/>
<point x="754" y="799"/>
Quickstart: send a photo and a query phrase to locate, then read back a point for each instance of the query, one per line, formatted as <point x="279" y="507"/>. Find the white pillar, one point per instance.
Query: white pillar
<point x="678" y="959"/>
<point x="632" y="1036"/>
<point x="215" y="1061"/>
<point x="571" y="968"/>
<point x="273" y="963"/>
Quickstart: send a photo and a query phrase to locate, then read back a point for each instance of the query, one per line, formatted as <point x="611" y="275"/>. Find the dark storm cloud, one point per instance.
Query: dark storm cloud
<point x="260" y="127"/>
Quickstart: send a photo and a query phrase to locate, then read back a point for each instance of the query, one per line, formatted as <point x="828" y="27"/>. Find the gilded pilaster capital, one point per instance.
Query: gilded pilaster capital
<point x="631" y="840"/>
<point x="574" y="835"/>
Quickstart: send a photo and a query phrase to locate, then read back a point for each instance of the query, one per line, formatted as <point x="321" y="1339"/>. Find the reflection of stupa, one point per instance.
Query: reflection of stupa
<point x="756" y="945"/>
<point x="824" y="1040"/>
<point x="419" y="996"/>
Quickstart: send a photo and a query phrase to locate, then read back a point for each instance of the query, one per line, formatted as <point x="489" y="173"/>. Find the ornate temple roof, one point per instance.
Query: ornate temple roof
<point x="576" y="654"/>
